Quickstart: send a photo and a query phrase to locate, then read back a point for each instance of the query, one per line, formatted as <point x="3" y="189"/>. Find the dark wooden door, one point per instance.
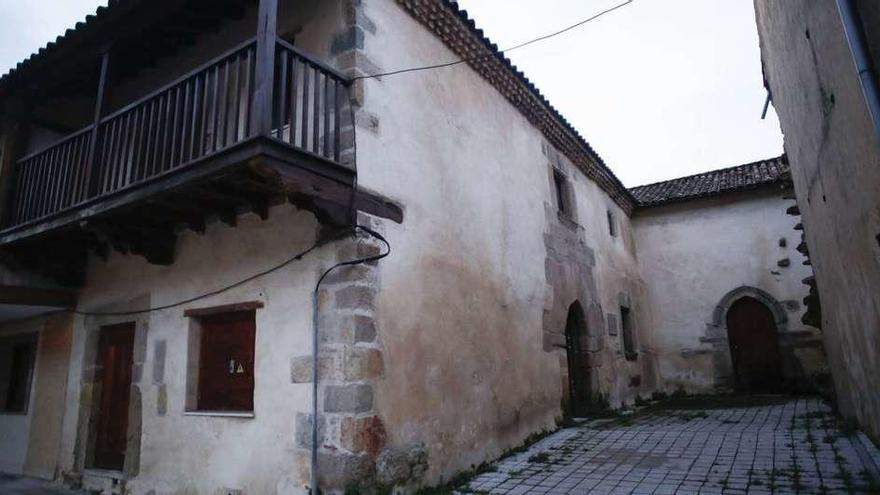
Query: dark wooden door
<point x="115" y="354"/>
<point x="754" y="347"/>
<point x="578" y="370"/>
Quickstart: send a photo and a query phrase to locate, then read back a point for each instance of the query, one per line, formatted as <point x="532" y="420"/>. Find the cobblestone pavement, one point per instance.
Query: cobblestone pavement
<point x="792" y="446"/>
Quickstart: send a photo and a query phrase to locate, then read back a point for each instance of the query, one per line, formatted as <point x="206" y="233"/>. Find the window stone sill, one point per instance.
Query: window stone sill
<point x="221" y="414"/>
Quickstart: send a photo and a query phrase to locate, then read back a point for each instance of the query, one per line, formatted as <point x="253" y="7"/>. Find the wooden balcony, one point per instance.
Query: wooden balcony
<point x="236" y="134"/>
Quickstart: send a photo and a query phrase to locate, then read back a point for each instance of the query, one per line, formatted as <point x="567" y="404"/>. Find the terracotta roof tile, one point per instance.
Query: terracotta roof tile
<point x="713" y="183"/>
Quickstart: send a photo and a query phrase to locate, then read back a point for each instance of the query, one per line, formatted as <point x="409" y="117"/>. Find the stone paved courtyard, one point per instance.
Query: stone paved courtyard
<point x="784" y="446"/>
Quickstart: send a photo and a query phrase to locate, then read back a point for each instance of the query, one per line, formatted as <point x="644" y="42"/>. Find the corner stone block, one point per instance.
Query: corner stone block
<point x="348" y="399"/>
<point x="358" y="249"/>
<point x="351" y="38"/>
<point x="303" y="433"/>
<point x="301" y="368"/>
<point x="363" y="435"/>
<point x="356" y="297"/>
<point x="364" y="329"/>
<point x="337" y="470"/>
<point x="347" y="274"/>
<point x="362" y="364"/>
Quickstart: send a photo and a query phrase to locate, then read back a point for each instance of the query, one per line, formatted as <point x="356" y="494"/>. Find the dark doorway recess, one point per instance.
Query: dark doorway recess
<point x="578" y="364"/>
<point x="754" y="346"/>
<point x="115" y="354"/>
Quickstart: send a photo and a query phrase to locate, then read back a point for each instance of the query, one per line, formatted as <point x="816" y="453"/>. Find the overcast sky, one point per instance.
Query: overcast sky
<point x="660" y="88"/>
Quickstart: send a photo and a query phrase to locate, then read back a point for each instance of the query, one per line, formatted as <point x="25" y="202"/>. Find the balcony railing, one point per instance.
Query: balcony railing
<point x="201" y="114"/>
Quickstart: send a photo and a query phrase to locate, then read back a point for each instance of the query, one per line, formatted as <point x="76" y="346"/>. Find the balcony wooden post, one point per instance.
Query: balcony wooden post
<point x="264" y="71"/>
<point x="93" y="169"/>
<point x="12" y="138"/>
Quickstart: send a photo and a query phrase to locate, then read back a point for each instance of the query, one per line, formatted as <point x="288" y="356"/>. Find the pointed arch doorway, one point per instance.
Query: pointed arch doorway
<point x="578" y="364"/>
<point x="754" y="346"/>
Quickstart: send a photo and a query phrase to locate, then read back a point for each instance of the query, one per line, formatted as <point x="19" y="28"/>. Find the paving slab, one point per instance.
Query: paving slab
<point x="777" y="446"/>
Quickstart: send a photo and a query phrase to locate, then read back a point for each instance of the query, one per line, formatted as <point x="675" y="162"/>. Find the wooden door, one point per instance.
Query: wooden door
<point x="578" y="370"/>
<point x="754" y="347"/>
<point x="115" y="355"/>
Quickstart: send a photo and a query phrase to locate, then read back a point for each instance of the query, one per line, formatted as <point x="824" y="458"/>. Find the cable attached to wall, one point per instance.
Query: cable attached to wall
<point x="315" y="338"/>
<point x="499" y="52"/>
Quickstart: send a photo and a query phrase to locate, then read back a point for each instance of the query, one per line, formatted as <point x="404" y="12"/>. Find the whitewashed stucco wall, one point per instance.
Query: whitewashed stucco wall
<point x="182" y="453"/>
<point x="693" y="253"/>
<point x="461" y="301"/>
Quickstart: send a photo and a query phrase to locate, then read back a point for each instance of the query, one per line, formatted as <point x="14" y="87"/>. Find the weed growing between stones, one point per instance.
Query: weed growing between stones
<point x="541" y="458"/>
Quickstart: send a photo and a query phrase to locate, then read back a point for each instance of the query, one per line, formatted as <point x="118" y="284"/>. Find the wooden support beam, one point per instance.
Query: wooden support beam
<point x="264" y="72"/>
<point x="92" y="167"/>
<point x="153" y="242"/>
<point x="377" y="205"/>
<point x="34" y="296"/>
<point x="11" y="146"/>
<point x="259" y="202"/>
<point x="179" y="213"/>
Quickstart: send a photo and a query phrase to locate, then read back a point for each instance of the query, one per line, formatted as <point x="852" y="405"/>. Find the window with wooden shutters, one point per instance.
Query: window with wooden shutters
<point x="17" y="356"/>
<point x="226" y="362"/>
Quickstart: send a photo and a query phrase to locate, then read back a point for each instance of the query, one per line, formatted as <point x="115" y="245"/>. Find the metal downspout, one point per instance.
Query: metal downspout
<point x="858" y="47"/>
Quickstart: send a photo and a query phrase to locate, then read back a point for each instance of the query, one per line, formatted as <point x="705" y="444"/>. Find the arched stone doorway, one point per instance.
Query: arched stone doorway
<point x="754" y="346"/>
<point x="578" y="363"/>
<point x="747" y="356"/>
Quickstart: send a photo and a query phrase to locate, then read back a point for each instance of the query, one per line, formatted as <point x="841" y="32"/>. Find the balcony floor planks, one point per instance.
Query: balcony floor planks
<point x="144" y="219"/>
<point x="300" y="172"/>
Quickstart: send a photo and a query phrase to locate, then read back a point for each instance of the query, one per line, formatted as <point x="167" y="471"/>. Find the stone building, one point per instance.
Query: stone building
<point x="714" y="248"/>
<point x="820" y="66"/>
<point x="181" y="180"/>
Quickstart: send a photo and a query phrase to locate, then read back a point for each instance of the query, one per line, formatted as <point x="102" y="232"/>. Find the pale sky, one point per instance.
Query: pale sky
<point x="660" y="88"/>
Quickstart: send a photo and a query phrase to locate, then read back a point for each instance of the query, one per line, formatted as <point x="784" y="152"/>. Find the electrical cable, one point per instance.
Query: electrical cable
<point x="250" y="278"/>
<point x="205" y="295"/>
<point x="499" y="52"/>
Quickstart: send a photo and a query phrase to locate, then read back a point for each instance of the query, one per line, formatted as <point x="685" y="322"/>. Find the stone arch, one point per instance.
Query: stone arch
<point x="578" y="360"/>
<point x="716" y="332"/>
<point x="719" y="315"/>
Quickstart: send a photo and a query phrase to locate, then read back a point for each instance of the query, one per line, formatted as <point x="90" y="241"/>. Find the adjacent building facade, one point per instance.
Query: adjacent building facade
<point x="820" y="61"/>
<point x="726" y="283"/>
<point x="172" y="210"/>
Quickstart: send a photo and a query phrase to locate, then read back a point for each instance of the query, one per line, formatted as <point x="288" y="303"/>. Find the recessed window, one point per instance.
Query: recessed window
<point x="222" y="362"/>
<point x="626" y="328"/>
<point x="612" y="224"/>
<point x="17" y="357"/>
<point x="561" y="186"/>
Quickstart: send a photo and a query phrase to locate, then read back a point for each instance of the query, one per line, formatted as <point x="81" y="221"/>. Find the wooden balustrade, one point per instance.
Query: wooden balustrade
<point x="309" y="101"/>
<point x="53" y="179"/>
<point x="200" y="114"/>
<point x="188" y="120"/>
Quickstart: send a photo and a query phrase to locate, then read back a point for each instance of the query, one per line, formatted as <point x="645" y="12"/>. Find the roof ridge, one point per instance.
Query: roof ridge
<point x="779" y="158"/>
<point x="752" y="175"/>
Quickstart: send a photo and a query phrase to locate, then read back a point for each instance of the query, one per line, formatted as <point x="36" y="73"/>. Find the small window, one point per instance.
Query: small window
<point x="225" y="357"/>
<point x="626" y="327"/>
<point x="17" y="360"/>
<point x="612" y="224"/>
<point x="560" y="182"/>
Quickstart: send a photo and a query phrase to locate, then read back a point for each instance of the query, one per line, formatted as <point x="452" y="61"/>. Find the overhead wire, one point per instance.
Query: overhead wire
<point x="499" y="52"/>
